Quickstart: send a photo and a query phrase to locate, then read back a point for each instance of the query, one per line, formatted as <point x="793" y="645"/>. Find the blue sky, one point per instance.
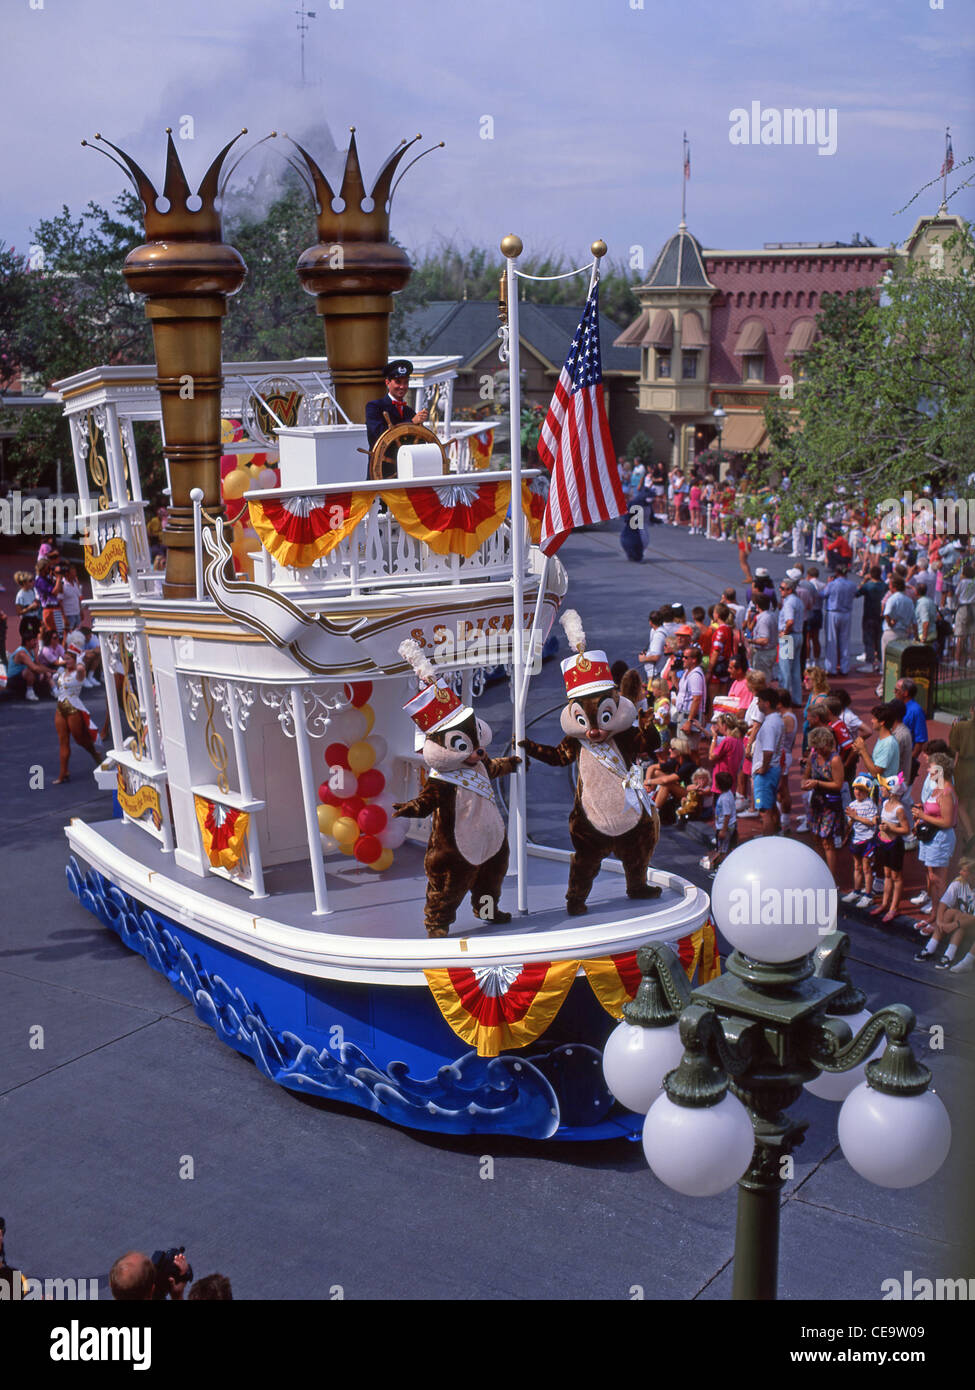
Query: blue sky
<point x="588" y="103"/>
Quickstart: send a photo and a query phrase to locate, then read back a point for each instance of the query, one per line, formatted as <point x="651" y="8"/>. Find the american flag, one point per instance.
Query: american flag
<point x="687" y="157"/>
<point x="949" y="163"/>
<point x="575" y="443"/>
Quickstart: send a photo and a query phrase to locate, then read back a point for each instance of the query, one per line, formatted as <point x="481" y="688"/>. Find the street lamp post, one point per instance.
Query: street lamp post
<point x="775" y="1022"/>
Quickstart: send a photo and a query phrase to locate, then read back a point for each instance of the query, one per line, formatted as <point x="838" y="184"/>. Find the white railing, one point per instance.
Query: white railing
<point x="127" y="524"/>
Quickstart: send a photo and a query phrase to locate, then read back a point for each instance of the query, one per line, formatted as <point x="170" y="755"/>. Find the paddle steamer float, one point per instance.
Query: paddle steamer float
<point x="259" y="740"/>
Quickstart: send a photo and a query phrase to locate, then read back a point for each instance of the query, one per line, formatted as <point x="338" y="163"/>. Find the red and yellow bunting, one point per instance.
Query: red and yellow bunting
<point x="224" y="832"/>
<point x="452" y="520"/>
<point x="615" y="979"/>
<point x="534" y="496"/>
<point x="136" y="804"/>
<point x="501" y="1006"/>
<point x="481" y="446"/>
<point x="297" y="531"/>
<point x="113" y="552"/>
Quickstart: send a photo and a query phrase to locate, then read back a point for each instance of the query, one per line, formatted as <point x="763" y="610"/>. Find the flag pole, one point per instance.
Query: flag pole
<point x="511" y="249"/>
<point x="944" y="172"/>
<point x="683" y="185"/>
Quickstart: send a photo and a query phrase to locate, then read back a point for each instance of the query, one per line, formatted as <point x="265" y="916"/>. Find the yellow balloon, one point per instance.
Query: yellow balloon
<point x="348" y="849"/>
<point x="236" y="483"/>
<point x="362" y="755"/>
<point x="370" y="714"/>
<point x="383" y="862"/>
<point x="345" y="830"/>
<point x="327" y="816"/>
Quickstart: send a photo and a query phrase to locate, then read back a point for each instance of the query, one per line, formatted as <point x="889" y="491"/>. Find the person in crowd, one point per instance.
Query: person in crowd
<point x="71" y="598"/>
<point x="824" y="780"/>
<point x="761" y="636"/>
<point x="215" y="1287"/>
<point x="961" y="742"/>
<point x="703" y="633"/>
<point x="738" y="689"/>
<point x="47" y="587"/>
<point x="26" y="602"/>
<point x="898" y="613"/>
<point x="752" y="719"/>
<point x="883" y="761"/>
<point x="790" y="726"/>
<point x="662" y="711"/>
<point x="51" y="650"/>
<point x="790" y="624"/>
<point x="815" y="684"/>
<point x="888" y="854"/>
<point x="863" y="815"/>
<point x="727" y="751"/>
<point x="26" y="673"/>
<point x="964" y="624"/>
<point x="934" y="825"/>
<point x="71" y="717"/>
<point x="925" y="615"/>
<point x="954" y="921"/>
<point x="132" y="1278"/>
<point x="905" y="747"/>
<point x="662" y="781"/>
<point x="655" y="656"/>
<point x="690" y="705"/>
<point x="814" y="623"/>
<point x="838" y="607"/>
<point x="730" y="600"/>
<point x="913" y="719"/>
<point x="722" y="646"/>
<point x="91" y="655"/>
<point x="872" y="591"/>
<point x="767" y="760"/>
<point x="837" y="725"/>
<point x="725" y="823"/>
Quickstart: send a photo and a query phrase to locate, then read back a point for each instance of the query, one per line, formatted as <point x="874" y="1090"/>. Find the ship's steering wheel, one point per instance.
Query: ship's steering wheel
<point x="382" y="455"/>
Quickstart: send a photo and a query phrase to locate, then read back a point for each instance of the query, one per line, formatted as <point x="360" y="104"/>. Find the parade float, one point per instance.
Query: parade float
<point x="257" y="691"/>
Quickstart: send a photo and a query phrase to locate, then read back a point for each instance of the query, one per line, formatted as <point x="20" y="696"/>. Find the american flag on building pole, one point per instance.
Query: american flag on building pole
<point x="575" y="444"/>
<point x="949" y="163"/>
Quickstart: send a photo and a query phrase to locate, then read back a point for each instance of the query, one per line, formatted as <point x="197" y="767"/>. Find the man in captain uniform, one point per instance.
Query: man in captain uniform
<point x="393" y="404"/>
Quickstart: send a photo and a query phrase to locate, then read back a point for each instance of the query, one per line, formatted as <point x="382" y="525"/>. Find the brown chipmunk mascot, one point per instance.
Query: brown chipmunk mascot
<point x="468" y="847"/>
<point x="612" y="814"/>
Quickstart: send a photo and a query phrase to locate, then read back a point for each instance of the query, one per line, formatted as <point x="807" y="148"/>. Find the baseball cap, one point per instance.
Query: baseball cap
<point x="795" y="574"/>
<point x="761" y="573"/>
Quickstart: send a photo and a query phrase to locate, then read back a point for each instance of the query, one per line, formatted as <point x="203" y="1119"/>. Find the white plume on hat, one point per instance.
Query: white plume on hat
<point x="412" y="652"/>
<point x="572" y="627"/>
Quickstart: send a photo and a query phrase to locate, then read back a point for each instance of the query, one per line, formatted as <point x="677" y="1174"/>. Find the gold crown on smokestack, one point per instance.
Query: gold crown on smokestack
<point x="179" y="222"/>
<point x="364" y="215"/>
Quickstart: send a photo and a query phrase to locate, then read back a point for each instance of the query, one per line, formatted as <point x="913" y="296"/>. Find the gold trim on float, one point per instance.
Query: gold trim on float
<point x="102" y="383"/>
<point x="239" y="638"/>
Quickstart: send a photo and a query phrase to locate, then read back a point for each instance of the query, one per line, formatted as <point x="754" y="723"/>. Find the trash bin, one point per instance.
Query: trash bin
<point x="919" y="663"/>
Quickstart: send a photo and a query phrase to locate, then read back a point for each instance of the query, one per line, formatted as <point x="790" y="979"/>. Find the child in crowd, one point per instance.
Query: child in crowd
<point x="725" y="822"/>
<point x="696" y="797"/>
<point x="955" y="919"/>
<point x="888" y="852"/>
<point x="661" y="710"/>
<point x="863" y="815"/>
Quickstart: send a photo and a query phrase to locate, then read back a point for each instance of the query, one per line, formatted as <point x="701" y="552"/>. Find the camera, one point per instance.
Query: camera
<point x="167" y="1268"/>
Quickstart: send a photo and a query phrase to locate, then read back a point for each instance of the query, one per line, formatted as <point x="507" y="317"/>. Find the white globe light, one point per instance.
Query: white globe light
<point x="774" y="899"/>
<point x="699" y="1151"/>
<point x="894" y="1141"/>
<point x="837" y="1085"/>
<point x="636" y="1060"/>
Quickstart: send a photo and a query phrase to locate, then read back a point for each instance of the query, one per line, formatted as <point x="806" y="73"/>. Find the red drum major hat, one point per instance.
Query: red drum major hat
<point x="436" y="707"/>
<point x="587" y="672"/>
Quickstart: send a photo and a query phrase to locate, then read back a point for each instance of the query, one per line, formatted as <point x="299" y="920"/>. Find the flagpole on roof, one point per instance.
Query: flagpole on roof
<point x="685" y="175"/>
<point x="511" y="249"/>
<point x="945" y="171"/>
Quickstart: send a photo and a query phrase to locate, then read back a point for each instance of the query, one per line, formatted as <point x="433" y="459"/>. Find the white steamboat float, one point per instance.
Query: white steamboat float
<point x="259" y="738"/>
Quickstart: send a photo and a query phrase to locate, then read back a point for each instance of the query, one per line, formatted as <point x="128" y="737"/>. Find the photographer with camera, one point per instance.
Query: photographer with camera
<point x="173" y="1273"/>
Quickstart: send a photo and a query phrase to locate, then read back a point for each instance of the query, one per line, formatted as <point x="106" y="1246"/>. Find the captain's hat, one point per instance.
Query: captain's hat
<point x="586" y="673"/>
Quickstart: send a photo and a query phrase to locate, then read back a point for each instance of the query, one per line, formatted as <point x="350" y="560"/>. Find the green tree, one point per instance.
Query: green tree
<point x="888" y="398"/>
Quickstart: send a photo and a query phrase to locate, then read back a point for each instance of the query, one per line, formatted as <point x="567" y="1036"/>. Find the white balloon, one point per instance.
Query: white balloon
<point x="329" y="843"/>
<point x="267" y="478"/>
<point x="341" y="780"/>
<point x="394" y="832"/>
<point x="894" y="1141"/>
<point x="774" y="900"/>
<point x="837" y="1085"/>
<point x="636" y="1060"/>
<point x="698" y="1150"/>
<point x="347" y="726"/>
<point x="381" y="747"/>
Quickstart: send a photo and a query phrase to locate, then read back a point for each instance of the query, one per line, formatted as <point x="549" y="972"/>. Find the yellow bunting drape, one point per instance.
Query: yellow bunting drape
<point x="481" y="447"/>
<point x="224" y="832"/>
<point x="615" y="979"/>
<point x="297" y="531"/>
<point x="534" y="496"/>
<point x="452" y="520"/>
<point x="502" y="1006"/>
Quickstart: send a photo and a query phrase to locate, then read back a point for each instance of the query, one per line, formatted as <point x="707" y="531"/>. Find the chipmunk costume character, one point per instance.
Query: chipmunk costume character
<point x="468" y="847"/>
<point x="612" y="814"/>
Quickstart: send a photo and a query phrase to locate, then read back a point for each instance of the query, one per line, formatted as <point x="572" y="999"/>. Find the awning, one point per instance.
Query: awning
<point x="692" y="335"/>
<point x="661" y="334"/>
<point x="802" y="337"/>
<point x="636" y="333"/>
<point x="743" y="433"/>
<point x="751" y="339"/>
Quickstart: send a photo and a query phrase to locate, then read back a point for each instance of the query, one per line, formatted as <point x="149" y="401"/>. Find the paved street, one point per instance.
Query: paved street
<point x="294" y="1198"/>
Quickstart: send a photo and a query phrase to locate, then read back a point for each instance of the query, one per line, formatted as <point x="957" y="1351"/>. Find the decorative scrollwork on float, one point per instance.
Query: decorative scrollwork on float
<point x="125" y="650"/>
<point x="317" y="710"/>
<point x="214" y="742"/>
<point x="97" y="465"/>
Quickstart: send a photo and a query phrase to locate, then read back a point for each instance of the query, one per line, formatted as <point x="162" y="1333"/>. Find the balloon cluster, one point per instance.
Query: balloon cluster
<point x="356" y="814"/>
<point x="241" y="478"/>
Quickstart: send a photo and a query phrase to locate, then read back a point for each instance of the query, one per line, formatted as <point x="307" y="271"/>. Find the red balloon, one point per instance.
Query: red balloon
<point x="367" y="849"/>
<point x="326" y="796"/>
<point x="371" y="820"/>
<point x="370" y="783"/>
<point x="337" y="755"/>
<point x="351" y="806"/>
<point x="358" y="692"/>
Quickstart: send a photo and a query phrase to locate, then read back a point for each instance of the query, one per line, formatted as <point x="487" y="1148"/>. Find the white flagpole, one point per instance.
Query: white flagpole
<point x="511" y="248"/>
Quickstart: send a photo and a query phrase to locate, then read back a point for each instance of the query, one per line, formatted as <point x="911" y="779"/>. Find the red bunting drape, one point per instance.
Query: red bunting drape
<point x="299" y="530"/>
<point x="501" y="1006"/>
<point x="534" y="495"/>
<point x="224" y="832"/>
<point x="452" y="520"/>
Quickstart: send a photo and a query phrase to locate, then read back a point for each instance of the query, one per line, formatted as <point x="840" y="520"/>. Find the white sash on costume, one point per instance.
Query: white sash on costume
<point x="472" y="779"/>
<point x="631" y="778"/>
